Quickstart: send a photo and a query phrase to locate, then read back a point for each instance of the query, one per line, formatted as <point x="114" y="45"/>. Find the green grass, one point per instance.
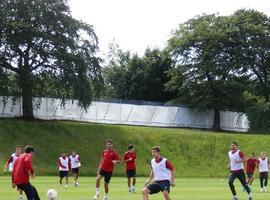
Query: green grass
<point x="186" y="189"/>
<point x="194" y="153"/>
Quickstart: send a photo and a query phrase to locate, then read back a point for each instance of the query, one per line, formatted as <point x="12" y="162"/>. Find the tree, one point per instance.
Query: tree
<point x="252" y="30"/>
<point x="38" y="39"/>
<point x="206" y="74"/>
<point x="138" y="78"/>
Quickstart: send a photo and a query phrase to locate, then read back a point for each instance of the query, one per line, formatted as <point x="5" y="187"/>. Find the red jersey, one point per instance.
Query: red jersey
<point x="130" y="165"/>
<point x="22" y="169"/>
<point x="251" y="165"/>
<point x="106" y="164"/>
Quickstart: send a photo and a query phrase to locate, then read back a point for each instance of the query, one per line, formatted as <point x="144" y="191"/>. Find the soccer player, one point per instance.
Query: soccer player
<point x="22" y="170"/>
<point x="64" y="167"/>
<point x="263" y="169"/>
<point x="237" y="159"/>
<point x="75" y="166"/>
<point x="108" y="159"/>
<point x="251" y="164"/>
<point x="10" y="162"/>
<point x="163" y="173"/>
<point x="130" y="160"/>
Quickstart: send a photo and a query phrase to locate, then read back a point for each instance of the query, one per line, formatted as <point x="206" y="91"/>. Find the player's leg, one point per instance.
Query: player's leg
<point x="242" y="178"/>
<point x="145" y="193"/>
<point x="61" y="178"/>
<point x="98" y="179"/>
<point x="166" y="195"/>
<point x="133" y="183"/>
<point x="107" y="178"/>
<point x="20" y="193"/>
<point x="129" y="185"/>
<point x="150" y="189"/>
<point x="230" y="182"/>
<point x="66" y="177"/>
<point x="261" y="181"/>
<point x="266" y="181"/>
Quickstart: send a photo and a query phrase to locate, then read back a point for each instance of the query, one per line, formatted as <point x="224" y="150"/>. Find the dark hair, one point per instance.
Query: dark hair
<point x="156" y="148"/>
<point x="235" y="143"/>
<point x="109" y="141"/>
<point x="28" y="149"/>
<point x="17" y="146"/>
<point x="63" y="151"/>
<point x="130" y="146"/>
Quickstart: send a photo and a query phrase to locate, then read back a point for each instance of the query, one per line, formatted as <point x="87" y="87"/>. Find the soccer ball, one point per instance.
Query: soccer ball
<point x="51" y="194"/>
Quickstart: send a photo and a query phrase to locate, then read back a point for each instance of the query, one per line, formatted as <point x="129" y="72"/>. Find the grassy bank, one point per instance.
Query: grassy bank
<point x="195" y="153"/>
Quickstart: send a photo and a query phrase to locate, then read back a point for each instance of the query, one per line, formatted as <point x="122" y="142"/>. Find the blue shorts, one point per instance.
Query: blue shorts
<point x="158" y="186"/>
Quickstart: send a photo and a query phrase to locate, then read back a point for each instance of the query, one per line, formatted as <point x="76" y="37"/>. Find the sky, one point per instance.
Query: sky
<point x="137" y="24"/>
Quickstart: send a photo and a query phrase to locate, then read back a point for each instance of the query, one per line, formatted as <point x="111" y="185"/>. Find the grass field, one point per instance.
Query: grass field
<point x="186" y="189"/>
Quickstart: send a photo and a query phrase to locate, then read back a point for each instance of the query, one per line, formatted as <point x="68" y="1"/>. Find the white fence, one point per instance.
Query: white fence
<point x="116" y="113"/>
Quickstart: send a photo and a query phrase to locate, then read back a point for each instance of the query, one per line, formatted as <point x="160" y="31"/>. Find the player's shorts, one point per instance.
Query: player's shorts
<point x="75" y="170"/>
<point x="63" y="174"/>
<point x="107" y="175"/>
<point x="158" y="186"/>
<point x="131" y="173"/>
<point x="249" y="175"/>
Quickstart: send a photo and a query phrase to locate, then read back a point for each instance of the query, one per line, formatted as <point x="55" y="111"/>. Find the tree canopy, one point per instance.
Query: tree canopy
<point x="40" y="41"/>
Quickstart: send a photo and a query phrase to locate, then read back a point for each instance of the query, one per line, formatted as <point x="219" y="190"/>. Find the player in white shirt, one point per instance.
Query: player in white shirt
<point x="64" y="168"/>
<point x="264" y="165"/>
<point x="10" y="163"/>
<point x="236" y="165"/>
<point x="75" y="166"/>
<point x="163" y="175"/>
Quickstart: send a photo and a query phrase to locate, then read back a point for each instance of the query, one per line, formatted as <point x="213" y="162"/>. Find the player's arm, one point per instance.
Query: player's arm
<point x="242" y="158"/>
<point x="29" y="168"/>
<point x="229" y="162"/>
<point x="7" y="163"/>
<point x="172" y="169"/>
<point x="116" y="159"/>
<point x="60" y="164"/>
<point x="151" y="176"/>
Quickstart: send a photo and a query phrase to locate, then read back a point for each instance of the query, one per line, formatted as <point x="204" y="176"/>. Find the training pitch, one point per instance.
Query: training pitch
<point x="185" y="189"/>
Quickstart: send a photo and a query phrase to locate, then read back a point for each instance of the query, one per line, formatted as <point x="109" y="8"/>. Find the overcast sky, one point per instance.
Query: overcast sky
<point x="138" y="24"/>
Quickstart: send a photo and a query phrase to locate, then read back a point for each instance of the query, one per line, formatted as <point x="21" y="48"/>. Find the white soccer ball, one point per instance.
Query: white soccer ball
<point x="51" y="194"/>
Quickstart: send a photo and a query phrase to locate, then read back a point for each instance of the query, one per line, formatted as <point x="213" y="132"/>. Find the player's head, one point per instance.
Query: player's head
<point x="73" y="152"/>
<point x="109" y="143"/>
<point x="156" y="151"/>
<point x="18" y="150"/>
<point x="263" y="154"/>
<point x="131" y="147"/>
<point x="253" y="155"/>
<point x="29" y="149"/>
<point x="234" y="146"/>
<point x="63" y="153"/>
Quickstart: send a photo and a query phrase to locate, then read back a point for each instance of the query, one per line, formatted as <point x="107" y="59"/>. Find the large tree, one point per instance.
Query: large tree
<point x="205" y="75"/>
<point x="39" y="41"/>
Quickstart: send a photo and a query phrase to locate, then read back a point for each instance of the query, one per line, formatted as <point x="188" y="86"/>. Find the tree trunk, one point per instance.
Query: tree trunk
<point x="27" y="94"/>
<point x="216" y="124"/>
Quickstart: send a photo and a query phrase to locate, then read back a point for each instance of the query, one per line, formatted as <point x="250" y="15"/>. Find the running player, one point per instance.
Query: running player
<point x="64" y="168"/>
<point x="251" y="164"/>
<point x="263" y="169"/>
<point x="237" y="159"/>
<point x="75" y="166"/>
<point x="108" y="159"/>
<point x="130" y="160"/>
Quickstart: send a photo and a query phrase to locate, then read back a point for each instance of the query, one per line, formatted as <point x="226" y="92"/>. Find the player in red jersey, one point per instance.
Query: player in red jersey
<point x="251" y="164"/>
<point x="130" y="160"/>
<point x="108" y="159"/>
<point x="22" y="170"/>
